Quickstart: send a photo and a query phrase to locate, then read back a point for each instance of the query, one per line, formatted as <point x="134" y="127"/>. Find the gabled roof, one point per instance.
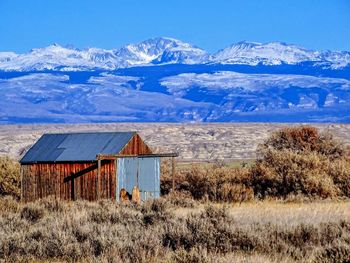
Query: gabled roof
<point x="76" y="146"/>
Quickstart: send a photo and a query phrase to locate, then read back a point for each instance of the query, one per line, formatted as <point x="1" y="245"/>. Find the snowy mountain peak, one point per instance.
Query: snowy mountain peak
<point x="145" y="51"/>
<point x="245" y="44"/>
<point x="7" y="56"/>
<point x="273" y="53"/>
<point x="55" y="47"/>
<point x="161" y="50"/>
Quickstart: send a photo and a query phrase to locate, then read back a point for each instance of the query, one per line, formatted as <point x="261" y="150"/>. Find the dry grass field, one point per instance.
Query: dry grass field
<point x="279" y="213"/>
<point x="165" y="231"/>
<point x="194" y="142"/>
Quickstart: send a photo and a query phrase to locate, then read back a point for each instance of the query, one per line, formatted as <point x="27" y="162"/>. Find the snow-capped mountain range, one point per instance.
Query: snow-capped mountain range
<point x="149" y="52"/>
<point x="157" y="51"/>
<point x="277" y="53"/>
<point x="164" y="79"/>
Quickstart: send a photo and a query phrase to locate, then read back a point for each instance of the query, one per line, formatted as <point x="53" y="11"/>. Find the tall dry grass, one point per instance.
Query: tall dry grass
<point x="55" y="231"/>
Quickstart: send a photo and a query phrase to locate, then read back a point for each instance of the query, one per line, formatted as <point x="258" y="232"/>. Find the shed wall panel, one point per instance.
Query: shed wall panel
<point x="42" y="180"/>
<point x="141" y="172"/>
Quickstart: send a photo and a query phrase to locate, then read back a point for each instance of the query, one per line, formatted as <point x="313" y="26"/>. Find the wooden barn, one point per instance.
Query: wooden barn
<point x="90" y="166"/>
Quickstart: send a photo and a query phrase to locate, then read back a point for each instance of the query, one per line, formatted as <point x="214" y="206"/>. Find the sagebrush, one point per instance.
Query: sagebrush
<point x="301" y="161"/>
<point x="9" y="177"/>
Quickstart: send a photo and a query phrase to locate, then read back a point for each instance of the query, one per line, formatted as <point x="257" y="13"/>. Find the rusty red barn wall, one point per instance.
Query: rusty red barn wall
<point x="48" y="179"/>
<point x="52" y="179"/>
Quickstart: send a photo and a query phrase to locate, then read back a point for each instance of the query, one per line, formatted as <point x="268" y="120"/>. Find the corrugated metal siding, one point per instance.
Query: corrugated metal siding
<point x="127" y="174"/>
<point x="141" y="172"/>
<point x="76" y="146"/>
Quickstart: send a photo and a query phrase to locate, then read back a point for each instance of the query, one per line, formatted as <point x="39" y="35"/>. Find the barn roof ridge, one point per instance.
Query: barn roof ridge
<point x="87" y="132"/>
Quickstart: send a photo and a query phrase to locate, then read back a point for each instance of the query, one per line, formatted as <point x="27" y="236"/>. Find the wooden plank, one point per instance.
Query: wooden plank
<point x="61" y="194"/>
<point x="66" y="174"/>
<point x="28" y="183"/>
<point x="93" y="184"/>
<point x="105" y="181"/>
<point x="115" y="180"/>
<point x="37" y="186"/>
<point x="22" y="187"/>
<point x="23" y="182"/>
<point x="89" y="185"/>
<point x="48" y="179"/>
<point x="53" y="179"/>
<point x="58" y="181"/>
<point x="114" y="156"/>
<point x="76" y="183"/>
<point x="38" y="181"/>
<point x="66" y="186"/>
<point x="98" y="179"/>
<point x="82" y="183"/>
<point x="72" y="184"/>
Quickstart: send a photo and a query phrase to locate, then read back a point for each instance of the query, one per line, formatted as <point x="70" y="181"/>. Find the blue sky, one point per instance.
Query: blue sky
<point x="210" y="24"/>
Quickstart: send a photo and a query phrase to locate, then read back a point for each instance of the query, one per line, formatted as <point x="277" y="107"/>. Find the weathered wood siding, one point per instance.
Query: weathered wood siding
<point x="56" y="179"/>
<point x="136" y="146"/>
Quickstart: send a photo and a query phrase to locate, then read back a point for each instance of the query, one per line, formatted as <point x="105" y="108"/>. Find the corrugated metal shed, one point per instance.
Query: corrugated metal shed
<point x="141" y="172"/>
<point x="76" y="146"/>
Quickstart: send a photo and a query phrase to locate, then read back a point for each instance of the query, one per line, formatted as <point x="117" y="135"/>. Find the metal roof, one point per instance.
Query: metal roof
<point x="76" y="146"/>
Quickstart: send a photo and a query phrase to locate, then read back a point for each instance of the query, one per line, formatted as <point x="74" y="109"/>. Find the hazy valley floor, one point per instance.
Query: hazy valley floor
<point x="194" y="142"/>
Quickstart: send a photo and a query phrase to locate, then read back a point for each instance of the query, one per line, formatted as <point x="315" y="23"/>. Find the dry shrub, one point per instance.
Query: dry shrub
<point x="304" y="139"/>
<point x="9" y="177"/>
<point x="154" y="211"/>
<point x="339" y="171"/>
<point x="8" y="204"/>
<point x="181" y="199"/>
<point x="195" y="255"/>
<point x="285" y="172"/>
<point x="51" y="204"/>
<point x="32" y="213"/>
<point x="209" y="230"/>
<point x="334" y="254"/>
<point x="214" y="182"/>
<point x="301" y="161"/>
